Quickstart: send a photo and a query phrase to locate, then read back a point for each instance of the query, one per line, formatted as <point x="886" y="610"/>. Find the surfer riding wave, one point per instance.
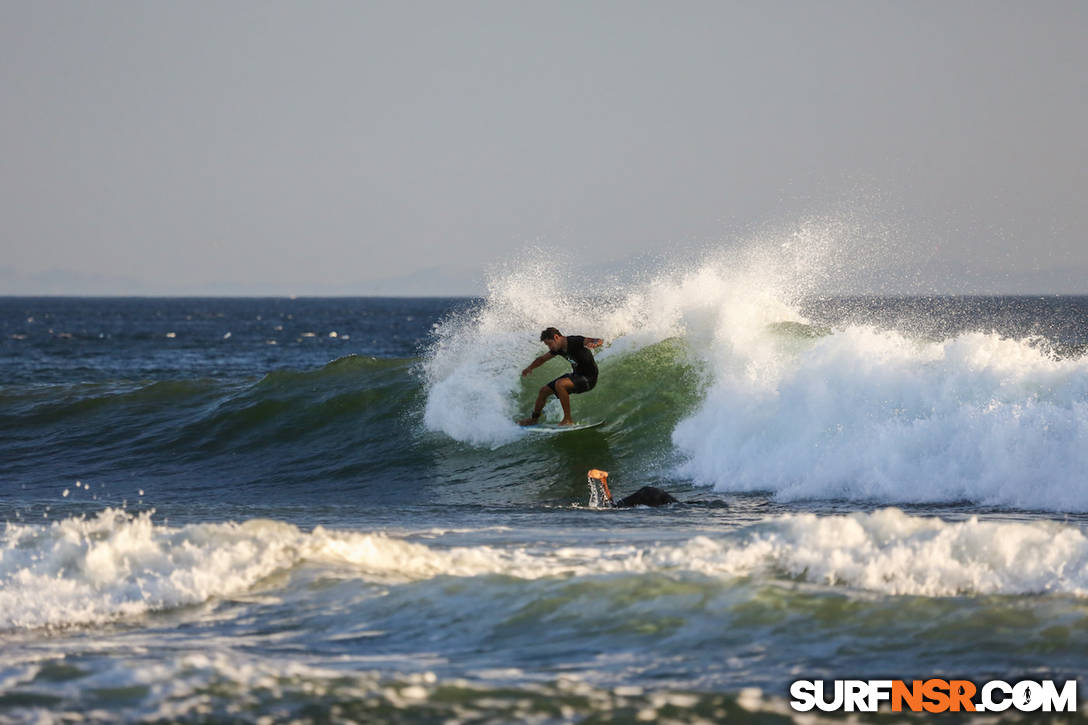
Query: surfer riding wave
<point x="581" y="379"/>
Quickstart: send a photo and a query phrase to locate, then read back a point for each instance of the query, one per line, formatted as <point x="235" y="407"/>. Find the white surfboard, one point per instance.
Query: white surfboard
<point x="555" y="428"/>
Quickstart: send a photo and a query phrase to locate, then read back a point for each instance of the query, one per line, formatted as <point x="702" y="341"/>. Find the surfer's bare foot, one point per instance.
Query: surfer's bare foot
<point x="566" y="421"/>
<point x="528" y="421"/>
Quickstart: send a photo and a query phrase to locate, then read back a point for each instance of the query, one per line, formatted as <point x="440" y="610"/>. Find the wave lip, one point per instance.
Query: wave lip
<point x="85" y="571"/>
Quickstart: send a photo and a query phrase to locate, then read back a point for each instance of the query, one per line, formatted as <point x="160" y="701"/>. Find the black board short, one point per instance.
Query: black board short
<point x="582" y="384"/>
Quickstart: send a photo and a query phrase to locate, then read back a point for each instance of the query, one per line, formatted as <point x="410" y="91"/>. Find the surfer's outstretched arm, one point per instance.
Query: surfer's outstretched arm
<point x="592" y="342"/>
<point x="537" y="363"/>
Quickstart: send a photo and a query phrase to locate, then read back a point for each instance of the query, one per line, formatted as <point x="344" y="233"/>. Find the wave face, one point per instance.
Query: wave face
<point x="289" y="434"/>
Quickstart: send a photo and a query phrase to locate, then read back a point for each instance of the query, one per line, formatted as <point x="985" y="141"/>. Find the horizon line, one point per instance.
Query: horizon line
<point x="484" y="296"/>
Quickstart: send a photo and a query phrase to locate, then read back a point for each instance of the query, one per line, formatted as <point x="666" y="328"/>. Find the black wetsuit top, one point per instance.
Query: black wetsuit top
<point x="581" y="359"/>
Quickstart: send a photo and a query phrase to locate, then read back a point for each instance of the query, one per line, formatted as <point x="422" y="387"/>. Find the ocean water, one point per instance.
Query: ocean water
<point x="320" y="510"/>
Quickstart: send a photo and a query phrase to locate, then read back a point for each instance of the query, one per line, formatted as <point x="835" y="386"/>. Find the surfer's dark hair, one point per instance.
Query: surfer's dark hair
<point x="549" y="334"/>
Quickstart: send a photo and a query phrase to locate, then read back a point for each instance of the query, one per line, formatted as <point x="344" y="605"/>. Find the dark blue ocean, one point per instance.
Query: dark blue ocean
<point x="321" y="510"/>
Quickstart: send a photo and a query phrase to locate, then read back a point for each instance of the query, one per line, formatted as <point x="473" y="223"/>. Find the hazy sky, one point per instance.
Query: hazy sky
<point x="360" y="147"/>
